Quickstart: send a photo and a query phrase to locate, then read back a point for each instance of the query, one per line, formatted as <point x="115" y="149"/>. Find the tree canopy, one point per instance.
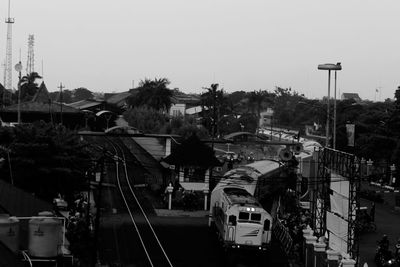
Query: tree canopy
<point x="55" y="157"/>
<point x="154" y="94"/>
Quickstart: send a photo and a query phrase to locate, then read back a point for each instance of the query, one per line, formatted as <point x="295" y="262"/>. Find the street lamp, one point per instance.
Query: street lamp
<point x="330" y="67"/>
<point x="18" y="68"/>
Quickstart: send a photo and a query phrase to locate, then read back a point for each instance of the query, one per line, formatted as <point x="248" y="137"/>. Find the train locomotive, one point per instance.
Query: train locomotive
<point x="238" y="218"/>
<point x="235" y="212"/>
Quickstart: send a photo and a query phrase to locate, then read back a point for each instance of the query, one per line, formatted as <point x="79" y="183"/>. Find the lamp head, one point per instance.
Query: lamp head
<point x="330" y="66"/>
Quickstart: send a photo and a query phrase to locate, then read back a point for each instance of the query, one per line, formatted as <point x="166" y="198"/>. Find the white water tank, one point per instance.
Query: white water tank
<point x="9" y="232"/>
<point x="44" y="235"/>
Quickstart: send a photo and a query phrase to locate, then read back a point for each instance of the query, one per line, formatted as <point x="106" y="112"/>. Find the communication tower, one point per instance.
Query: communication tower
<point x="8" y="67"/>
<point x="30" y="65"/>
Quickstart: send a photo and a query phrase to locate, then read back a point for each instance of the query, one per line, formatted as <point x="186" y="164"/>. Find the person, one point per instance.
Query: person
<point x="372" y="212"/>
<point x="384" y="243"/>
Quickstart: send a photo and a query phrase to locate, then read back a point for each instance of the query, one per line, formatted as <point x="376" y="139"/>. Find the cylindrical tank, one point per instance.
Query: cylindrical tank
<point x="44" y="236"/>
<point x="9" y="232"/>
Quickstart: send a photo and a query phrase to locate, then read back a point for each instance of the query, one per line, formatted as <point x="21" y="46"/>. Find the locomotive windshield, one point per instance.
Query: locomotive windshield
<point x="251" y="217"/>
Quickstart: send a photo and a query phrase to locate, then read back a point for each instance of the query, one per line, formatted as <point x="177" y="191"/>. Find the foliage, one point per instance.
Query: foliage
<point x="187" y="130"/>
<point x="28" y="86"/>
<point x="146" y="119"/>
<point x="65" y="97"/>
<point x="214" y="104"/>
<point x="259" y="100"/>
<point x="284" y="106"/>
<point x="153" y="94"/>
<point x="82" y="93"/>
<point x="54" y="157"/>
<point x="70" y="96"/>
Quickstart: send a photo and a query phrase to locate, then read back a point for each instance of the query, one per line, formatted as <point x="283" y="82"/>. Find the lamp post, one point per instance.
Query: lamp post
<point x="330" y="67"/>
<point x="18" y="68"/>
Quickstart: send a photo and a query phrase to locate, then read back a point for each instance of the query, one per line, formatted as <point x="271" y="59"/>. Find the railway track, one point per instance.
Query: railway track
<point x="147" y="249"/>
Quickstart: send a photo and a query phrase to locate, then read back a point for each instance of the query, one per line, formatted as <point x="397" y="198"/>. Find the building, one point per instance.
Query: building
<point x="266" y="118"/>
<point x="191" y="162"/>
<point x="183" y="104"/>
<point x="119" y="100"/>
<point x="348" y="96"/>
<point x="41" y="108"/>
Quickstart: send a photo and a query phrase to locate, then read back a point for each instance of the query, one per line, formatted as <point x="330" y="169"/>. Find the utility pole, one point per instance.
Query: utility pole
<point x="98" y="210"/>
<point x="61" y="102"/>
<point x="18" y="68"/>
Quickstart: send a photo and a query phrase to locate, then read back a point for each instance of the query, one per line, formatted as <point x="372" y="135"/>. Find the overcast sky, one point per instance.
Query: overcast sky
<point x="242" y="45"/>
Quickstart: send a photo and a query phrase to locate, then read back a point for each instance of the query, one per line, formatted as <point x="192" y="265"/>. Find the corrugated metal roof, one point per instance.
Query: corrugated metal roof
<point x="84" y="104"/>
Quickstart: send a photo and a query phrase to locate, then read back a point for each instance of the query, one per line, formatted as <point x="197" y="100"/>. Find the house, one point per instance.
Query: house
<point x="348" y="96"/>
<point x="119" y="99"/>
<point x="191" y="162"/>
<point x="182" y="103"/>
<point x="42" y="108"/>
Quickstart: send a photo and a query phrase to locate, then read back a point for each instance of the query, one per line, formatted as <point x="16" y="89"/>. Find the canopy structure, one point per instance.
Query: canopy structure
<point x="193" y="152"/>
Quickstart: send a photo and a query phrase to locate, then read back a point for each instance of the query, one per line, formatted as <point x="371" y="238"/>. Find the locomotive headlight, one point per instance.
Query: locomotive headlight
<point x="253" y="209"/>
<point x="248" y="209"/>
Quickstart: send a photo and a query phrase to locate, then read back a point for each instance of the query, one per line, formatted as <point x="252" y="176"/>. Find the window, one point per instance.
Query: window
<point x="194" y="175"/>
<point x="256" y="217"/>
<point x="243" y="215"/>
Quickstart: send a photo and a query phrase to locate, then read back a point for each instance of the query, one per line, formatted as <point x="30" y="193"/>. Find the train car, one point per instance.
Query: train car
<point x="254" y="177"/>
<point x="239" y="219"/>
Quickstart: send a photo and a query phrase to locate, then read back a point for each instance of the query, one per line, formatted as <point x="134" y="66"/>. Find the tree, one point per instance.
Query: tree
<point x="55" y="157"/>
<point x="152" y="93"/>
<point x="285" y="103"/>
<point x="146" y="119"/>
<point x="28" y="86"/>
<point x="214" y="104"/>
<point x="81" y="93"/>
<point x="260" y="99"/>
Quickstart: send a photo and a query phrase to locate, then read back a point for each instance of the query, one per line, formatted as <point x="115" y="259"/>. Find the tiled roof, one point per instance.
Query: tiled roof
<point x="42" y="94"/>
<point x="42" y="107"/>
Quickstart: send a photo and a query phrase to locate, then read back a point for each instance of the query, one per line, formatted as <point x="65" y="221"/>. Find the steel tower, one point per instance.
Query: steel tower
<point x="10" y="22"/>
<point x="30" y="65"/>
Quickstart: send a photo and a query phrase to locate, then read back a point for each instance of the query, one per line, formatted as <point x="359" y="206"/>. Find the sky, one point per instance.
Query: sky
<point x="109" y="46"/>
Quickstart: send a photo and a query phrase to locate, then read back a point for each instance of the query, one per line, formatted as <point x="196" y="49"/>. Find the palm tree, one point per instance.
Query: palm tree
<point x="154" y="94"/>
<point x="28" y="86"/>
<point x="258" y="100"/>
<point x="214" y="104"/>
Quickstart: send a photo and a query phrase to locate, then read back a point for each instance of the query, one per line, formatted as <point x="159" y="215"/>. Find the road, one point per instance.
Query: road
<point x="388" y="222"/>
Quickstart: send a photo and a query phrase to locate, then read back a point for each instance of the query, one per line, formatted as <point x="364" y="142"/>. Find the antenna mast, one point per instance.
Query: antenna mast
<point x="30" y="65"/>
<point x="9" y="22"/>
